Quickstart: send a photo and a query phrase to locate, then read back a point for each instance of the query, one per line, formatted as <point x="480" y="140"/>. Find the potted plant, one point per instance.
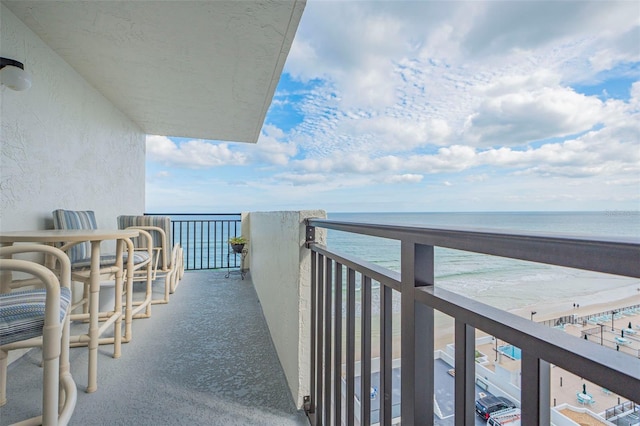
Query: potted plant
<point x="237" y="243"/>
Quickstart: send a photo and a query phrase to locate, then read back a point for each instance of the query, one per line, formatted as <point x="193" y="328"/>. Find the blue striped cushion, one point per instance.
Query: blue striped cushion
<point x="109" y="260"/>
<point x="22" y="313"/>
<point x="162" y="222"/>
<point x="73" y="219"/>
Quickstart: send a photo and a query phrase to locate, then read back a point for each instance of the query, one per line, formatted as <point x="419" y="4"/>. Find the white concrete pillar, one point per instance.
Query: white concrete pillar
<point x="280" y="270"/>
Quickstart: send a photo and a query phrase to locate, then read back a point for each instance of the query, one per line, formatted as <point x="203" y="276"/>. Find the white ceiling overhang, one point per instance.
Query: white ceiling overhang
<point x="201" y="69"/>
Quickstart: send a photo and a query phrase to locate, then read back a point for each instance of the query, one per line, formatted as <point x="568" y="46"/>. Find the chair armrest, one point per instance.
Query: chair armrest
<point x="163" y="238"/>
<point x="56" y="254"/>
<point x="51" y="281"/>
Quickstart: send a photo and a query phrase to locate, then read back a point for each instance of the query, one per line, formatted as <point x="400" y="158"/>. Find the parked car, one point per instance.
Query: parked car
<point x="490" y="404"/>
<point x="507" y="417"/>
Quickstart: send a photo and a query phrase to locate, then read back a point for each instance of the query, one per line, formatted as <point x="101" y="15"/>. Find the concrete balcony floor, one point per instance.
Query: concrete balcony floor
<point x="206" y="358"/>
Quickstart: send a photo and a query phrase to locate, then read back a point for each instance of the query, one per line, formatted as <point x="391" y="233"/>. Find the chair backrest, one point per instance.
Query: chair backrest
<point x="162" y="222"/>
<point x="76" y="219"/>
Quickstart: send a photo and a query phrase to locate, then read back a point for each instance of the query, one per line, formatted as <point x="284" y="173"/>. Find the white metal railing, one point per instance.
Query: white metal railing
<point x="331" y="272"/>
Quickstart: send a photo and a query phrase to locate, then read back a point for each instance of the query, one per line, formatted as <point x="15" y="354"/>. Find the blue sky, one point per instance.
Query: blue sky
<point x="432" y="106"/>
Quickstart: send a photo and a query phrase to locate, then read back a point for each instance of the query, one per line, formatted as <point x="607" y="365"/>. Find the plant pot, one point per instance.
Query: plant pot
<point x="237" y="248"/>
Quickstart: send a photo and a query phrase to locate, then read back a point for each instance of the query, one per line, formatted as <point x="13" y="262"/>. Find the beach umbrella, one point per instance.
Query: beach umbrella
<point x="584" y="388"/>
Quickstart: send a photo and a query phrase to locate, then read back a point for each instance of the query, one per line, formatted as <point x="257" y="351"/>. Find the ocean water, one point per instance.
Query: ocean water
<point x="505" y="283"/>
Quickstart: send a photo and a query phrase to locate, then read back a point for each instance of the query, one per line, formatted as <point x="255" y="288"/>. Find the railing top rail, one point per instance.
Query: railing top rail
<point x="614" y="255"/>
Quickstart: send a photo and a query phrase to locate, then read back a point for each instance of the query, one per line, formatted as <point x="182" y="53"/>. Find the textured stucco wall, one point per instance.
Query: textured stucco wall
<point x="63" y="145"/>
<point x="280" y="271"/>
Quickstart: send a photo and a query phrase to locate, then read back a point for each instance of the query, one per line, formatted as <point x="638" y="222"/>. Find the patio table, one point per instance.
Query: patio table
<point x="95" y="237"/>
<point x="584" y="398"/>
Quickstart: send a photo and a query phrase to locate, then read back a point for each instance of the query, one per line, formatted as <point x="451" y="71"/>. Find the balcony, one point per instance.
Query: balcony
<point x="255" y="351"/>
<point x="86" y="153"/>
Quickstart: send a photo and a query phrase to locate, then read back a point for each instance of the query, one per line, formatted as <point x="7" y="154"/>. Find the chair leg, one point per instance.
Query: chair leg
<point x="181" y="263"/>
<point x="147" y="302"/>
<point x="51" y="346"/>
<point x="167" y="285"/>
<point x="3" y="376"/>
<point x="178" y="267"/>
<point x="149" y="292"/>
<point x="85" y="296"/>
<point x="68" y="391"/>
<point x="167" y="289"/>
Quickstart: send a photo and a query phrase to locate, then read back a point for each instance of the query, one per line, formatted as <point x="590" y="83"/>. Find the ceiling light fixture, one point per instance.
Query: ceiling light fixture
<point x="13" y="75"/>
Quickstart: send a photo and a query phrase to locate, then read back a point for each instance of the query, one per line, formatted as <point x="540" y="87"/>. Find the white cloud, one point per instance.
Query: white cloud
<point x="301" y="178"/>
<point x="634" y="102"/>
<point x="191" y="154"/>
<point x="404" y="178"/>
<point x="198" y="154"/>
<point x="270" y="149"/>
<point x="517" y="110"/>
<point x="450" y="159"/>
<point x="477" y="178"/>
<point x="399" y="133"/>
<point x="597" y="153"/>
<point x="618" y="43"/>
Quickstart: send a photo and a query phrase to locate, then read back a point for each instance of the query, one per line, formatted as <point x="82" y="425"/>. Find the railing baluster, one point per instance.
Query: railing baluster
<point x="465" y="368"/>
<point x="201" y="244"/>
<point x="186" y="249"/>
<point x="218" y="230"/>
<point x="365" y="352"/>
<point x="337" y="342"/>
<point x="327" y="340"/>
<point x="314" y="310"/>
<point x="320" y="346"/>
<point x="209" y="246"/>
<point x="228" y="234"/>
<point x="386" y="354"/>
<point x="351" y="346"/>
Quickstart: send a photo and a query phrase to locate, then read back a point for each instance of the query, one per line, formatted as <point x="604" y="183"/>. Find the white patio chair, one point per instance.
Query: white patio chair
<point x="168" y="262"/>
<point x="80" y="255"/>
<point x="39" y="318"/>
